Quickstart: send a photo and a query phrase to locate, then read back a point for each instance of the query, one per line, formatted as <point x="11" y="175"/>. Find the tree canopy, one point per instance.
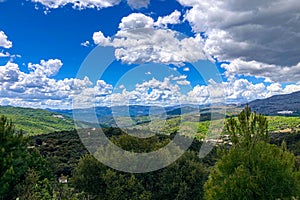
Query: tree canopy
<point x="252" y="168"/>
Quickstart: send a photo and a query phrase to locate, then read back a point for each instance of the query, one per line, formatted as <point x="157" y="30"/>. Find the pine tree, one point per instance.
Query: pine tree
<point x="13" y="158"/>
<point x="252" y="168"/>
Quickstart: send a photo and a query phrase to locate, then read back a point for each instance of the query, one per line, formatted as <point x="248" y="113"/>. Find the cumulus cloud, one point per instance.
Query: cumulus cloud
<point x="137" y="4"/>
<point x="265" y="32"/>
<point x="98" y="4"/>
<point x="4" y="42"/>
<point x="37" y="89"/>
<point x="78" y="4"/>
<point x="136" y="21"/>
<point x="9" y="73"/>
<point x="262" y="70"/>
<point x="49" y="68"/>
<point x="173" y="18"/>
<point x="235" y="91"/>
<point x="140" y="41"/>
<point x="100" y="39"/>
<point x="152" y="92"/>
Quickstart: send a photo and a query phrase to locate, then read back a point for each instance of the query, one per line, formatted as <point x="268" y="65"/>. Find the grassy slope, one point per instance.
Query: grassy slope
<point x="200" y="129"/>
<point x="36" y="121"/>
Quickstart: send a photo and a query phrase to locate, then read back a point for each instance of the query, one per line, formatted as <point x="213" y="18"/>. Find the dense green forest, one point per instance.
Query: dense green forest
<point x="36" y="121"/>
<point x="258" y="165"/>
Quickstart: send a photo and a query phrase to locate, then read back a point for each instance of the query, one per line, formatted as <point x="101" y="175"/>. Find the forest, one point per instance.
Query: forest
<point x="256" y="164"/>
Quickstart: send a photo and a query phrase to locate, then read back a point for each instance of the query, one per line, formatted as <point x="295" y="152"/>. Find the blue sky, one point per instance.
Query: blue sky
<point x="162" y="52"/>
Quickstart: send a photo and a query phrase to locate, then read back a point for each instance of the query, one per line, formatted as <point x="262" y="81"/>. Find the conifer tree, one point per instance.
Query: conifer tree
<point x="252" y="168"/>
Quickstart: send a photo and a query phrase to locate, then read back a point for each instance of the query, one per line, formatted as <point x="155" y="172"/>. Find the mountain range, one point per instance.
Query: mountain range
<point x="38" y="121"/>
<point x="287" y="104"/>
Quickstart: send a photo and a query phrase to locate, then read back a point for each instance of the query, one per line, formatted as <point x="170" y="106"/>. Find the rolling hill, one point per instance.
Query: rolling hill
<point x="37" y="121"/>
<point x="287" y="104"/>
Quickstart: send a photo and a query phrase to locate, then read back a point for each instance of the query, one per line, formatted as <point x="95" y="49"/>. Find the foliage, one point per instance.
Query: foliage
<point x="36" y="121"/>
<point x="184" y="179"/>
<point x="252" y="168"/>
<point x="120" y="186"/>
<point x="248" y="128"/>
<point x="33" y="187"/>
<point x="87" y="176"/>
<point x="13" y="157"/>
<point x="62" y="150"/>
<point x="265" y="172"/>
<point x="292" y="141"/>
<point x="277" y="123"/>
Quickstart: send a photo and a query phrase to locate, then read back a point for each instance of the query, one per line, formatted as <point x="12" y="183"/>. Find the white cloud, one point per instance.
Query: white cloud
<point x="78" y="4"/>
<point x="235" y="91"/>
<point x="4" y="42"/>
<point x="4" y="54"/>
<point x="177" y="78"/>
<point x="264" y="32"/>
<point x="274" y="88"/>
<point x="36" y="89"/>
<point x="139" y="41"/>
<point x="137" y="4"/>
<point x="152" y="92"/>
<point x="186" y="69"/>
<point x="158" y="46"/>
<point x="291" y="88"/>
<point x="199" y="95"/>
<point x="49" y="68"/>
<point x="136" y="21"/>
<point x="173" y="18"/>
<point x="9" y="73"/>
<point x="100" y="39"/>
<point x="262" y="70"/>
<point x="85" y="44"/>
<point x="183" y="82"/>
<point x="84" y="4"/>
<point x="180" y="80"/>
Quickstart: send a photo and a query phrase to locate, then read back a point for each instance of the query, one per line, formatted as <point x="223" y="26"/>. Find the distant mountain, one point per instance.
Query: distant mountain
<point x="106" y="115"/>
<point x="37" y="121"/>
<point x="287" y="104"/>
<point x="130" y="115"/>
<point x="120" y="111"/>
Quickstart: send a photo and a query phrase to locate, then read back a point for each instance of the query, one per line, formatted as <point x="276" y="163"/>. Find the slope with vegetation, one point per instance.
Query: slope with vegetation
<point x="36" y="121"/>
<point x="251" y="168"/>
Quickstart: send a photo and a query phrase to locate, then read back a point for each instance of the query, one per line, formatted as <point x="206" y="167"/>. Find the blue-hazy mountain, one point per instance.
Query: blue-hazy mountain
<point x="287" y="104"/>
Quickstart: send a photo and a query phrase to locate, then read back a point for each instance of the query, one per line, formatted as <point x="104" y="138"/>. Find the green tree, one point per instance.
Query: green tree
<point x="184" y="179"/>
<point x="252" y="168"/>
<point x="33" y="187"/>
<point x="13" y="158"/>
<point x="87" y="176"/>
<point x="123" y="186"/>
<point x="248" y="128"/>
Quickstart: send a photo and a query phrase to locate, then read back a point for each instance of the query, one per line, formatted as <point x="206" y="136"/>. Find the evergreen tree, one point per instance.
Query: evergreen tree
<point x="184" y="179"/>
<point x="13" y="158"/>
<point x="87" y="176"/>
<point x="252" y="168"/>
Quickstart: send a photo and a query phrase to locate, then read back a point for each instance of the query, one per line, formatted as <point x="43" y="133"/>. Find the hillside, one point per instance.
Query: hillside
<point x="37" y="121"/>
<point x="288" y="104"/>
